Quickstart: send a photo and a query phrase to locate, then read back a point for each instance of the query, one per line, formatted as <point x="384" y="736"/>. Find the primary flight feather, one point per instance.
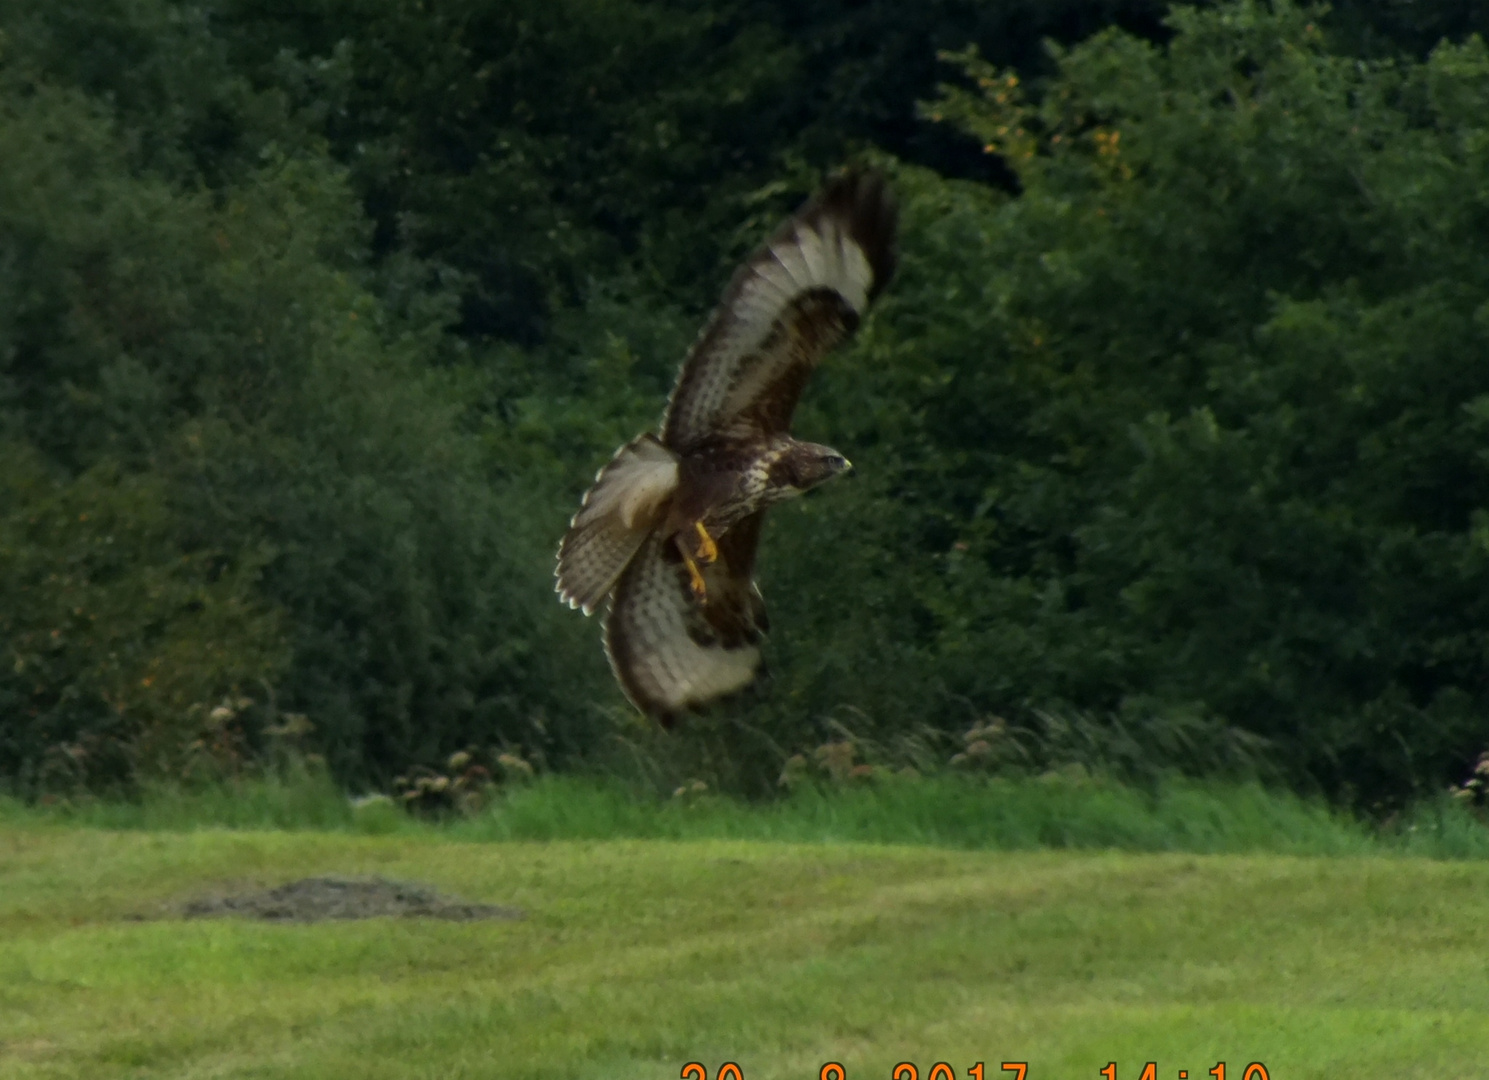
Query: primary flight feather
<point x="669" y="528"/>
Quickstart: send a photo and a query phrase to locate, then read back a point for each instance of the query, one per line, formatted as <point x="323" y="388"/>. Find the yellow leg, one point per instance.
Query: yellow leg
<point x="708" y="551"/>
<point x="695" y="578"/>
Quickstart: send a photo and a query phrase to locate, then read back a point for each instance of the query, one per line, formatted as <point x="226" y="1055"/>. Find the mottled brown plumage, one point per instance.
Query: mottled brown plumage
<point x="669" y="529"/>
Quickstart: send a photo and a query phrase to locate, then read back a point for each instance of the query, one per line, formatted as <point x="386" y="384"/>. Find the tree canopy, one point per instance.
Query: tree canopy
<point x="1171" y="434"/>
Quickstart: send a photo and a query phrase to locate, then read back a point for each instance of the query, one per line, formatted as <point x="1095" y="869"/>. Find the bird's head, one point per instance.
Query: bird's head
<point x="806" y="465"/>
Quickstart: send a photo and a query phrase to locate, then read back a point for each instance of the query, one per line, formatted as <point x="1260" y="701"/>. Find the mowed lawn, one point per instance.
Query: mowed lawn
<point x="639" y="956"/>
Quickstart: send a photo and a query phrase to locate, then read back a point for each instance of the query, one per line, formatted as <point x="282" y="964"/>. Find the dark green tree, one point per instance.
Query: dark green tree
<point x="1192" y="428"/>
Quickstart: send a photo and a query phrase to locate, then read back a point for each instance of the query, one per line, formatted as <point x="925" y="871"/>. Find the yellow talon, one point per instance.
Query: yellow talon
<point x="708" y="551"/>
<point x="695" y="576"/>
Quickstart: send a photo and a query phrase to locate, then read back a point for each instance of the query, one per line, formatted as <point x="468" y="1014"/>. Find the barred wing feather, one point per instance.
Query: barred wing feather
<point x="618" y="512"/>
<point x="796" y="298"/>
<point x="669" y="652"/>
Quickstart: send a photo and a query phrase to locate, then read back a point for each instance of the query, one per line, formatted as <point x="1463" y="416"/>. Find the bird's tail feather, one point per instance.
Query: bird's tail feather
<point x="619" y="511"/>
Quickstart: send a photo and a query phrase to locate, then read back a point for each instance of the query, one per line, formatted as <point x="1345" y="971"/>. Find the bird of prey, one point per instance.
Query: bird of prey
<point x="668" y="531"/>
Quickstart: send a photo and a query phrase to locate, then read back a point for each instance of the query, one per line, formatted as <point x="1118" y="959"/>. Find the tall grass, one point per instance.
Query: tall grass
<point x="950" y="812"/>
<point x="954" y="812"/>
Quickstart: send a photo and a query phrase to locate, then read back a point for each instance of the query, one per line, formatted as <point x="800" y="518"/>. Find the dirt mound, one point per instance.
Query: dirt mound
<point x="322" y="898"/>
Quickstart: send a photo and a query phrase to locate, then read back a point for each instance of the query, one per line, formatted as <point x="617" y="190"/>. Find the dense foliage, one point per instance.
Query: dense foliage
<point x="1171" y="437"/>
<point x="1209" y="428"/>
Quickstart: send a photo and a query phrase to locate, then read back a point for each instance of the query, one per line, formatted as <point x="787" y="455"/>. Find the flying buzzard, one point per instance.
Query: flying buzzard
<point x="668" y="530"/>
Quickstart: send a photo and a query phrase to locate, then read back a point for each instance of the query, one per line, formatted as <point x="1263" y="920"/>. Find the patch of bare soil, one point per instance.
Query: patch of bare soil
<point x="322" y="898"/>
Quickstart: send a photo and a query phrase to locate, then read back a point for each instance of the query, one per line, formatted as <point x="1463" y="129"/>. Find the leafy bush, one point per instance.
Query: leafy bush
<point x="117" y="646"/>
<point x="218" y="352"/>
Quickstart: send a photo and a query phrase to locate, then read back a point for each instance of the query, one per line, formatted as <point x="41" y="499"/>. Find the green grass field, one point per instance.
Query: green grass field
<point x="639" y="955"/>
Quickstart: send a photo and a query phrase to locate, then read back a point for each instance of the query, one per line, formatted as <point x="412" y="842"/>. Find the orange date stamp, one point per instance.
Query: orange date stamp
<point x="1010" y="1070"/>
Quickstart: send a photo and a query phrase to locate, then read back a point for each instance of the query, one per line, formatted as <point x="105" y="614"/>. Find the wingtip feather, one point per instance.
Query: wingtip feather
<point x="863" y="201"/>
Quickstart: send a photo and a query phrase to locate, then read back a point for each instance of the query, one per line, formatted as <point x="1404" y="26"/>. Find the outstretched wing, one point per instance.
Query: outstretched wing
<point x="671" y="653"/>
<point x="796" y="298"/>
